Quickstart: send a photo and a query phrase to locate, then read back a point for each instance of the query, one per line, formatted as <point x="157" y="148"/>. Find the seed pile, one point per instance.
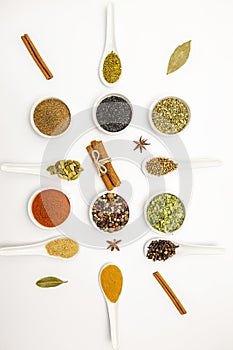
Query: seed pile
<point x="161" y="250"/>
<point x="170" y="115"/>
<point x="66" y="169"/>
<point x="51" y="117"/>
<point x="110" y="212"/>
<point x="112" y="67"/>
<point x="114" y="113"/>
<point x="63" y="247"/>
<point x="160" y="166"/>
<point x="165" y="212"/>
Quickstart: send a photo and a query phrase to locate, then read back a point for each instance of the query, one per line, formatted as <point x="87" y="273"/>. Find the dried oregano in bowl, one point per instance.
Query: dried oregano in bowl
<point x="170" y="115"/>
<point x="165" y="213"/>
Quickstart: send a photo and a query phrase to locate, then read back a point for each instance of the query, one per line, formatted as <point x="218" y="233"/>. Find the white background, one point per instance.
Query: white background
<point x="70" y="37"/>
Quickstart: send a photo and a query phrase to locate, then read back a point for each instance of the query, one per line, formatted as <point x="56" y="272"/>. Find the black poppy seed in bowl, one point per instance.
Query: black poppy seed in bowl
<point x="114" y="113"/>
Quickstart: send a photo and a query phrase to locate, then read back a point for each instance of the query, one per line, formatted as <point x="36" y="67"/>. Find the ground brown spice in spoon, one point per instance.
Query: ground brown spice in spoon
<point x="63" y="247"/>
<point x="51" y="117"/>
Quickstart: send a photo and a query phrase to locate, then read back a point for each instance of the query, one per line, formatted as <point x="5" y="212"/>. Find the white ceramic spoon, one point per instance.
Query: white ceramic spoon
<point x="113" y="314"/>
<point x="110" y="43"/>
<point x="195" y="164"/>
<point x="189" y="249"/>
<point x="29" y="249"/>
<point x="28" y="168"/>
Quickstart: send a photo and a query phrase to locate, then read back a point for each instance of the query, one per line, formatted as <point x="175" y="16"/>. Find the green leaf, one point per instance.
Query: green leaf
<point x="179" y="57"/>
<point x="49" y="282"/>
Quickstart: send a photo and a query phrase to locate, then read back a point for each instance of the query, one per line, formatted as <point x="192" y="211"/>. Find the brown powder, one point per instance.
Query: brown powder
<point x="63" y="247"/>
<point x="51" y="117"/>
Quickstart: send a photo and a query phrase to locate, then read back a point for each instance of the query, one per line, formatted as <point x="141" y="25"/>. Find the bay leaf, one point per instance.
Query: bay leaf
<point x="49" y="282"/>
<point x="179" y="57"/>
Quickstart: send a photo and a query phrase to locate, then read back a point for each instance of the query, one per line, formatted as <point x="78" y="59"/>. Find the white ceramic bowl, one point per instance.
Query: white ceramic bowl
<point x="31" y="216"/>
<point x="98" y="101"/>
<point x="32" y="118"/>
<point x="161" y="233"/>
<point x="91" y="217"/>
<point x="151" y="111"/>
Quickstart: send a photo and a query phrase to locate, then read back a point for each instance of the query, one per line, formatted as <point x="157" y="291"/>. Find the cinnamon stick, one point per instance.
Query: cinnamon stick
<point x="36" y="56"/>
<point x="104" y="177"/>
<point x="170" y="293"/>
<point x="98" y="145"/>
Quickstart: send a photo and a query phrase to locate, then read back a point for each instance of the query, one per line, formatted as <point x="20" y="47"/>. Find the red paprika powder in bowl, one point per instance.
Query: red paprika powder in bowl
<point x="48" y="208"/>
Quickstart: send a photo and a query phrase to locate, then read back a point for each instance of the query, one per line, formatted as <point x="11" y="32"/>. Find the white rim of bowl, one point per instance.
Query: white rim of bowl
<point x="90" y="213"/>
<point x="151" y="110"/>
<point x="160" y="233"/>
<point x="30" y="201"/>
<point x="32" y="117"/>
<point x="97" y="103"/>
<point x="145" y="172"/>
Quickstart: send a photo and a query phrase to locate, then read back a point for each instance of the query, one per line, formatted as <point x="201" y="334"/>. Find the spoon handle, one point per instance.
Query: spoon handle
<point x="21" y="168"/>
<point x="199" y="250"/>
<point x="112" y="312"/>
<point x="204" y="163"/>
<point x="110" y="43"/>
<point x="22" y="250"/>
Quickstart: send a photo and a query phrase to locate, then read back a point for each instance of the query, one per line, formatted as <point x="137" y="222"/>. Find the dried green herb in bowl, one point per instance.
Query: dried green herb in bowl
<point x="165" y="213"/>
<point x="169" y="115"/>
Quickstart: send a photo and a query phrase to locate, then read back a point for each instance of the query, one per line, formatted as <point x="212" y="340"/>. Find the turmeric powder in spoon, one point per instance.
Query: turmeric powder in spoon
<point x="111" y="280"/>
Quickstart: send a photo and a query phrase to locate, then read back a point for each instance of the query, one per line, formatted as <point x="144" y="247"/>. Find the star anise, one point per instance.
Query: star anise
<point x="113" y="245"/>
<point x="141" y="143"/>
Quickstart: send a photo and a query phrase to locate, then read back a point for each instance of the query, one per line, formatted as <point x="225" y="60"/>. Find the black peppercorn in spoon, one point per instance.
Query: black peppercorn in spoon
<point x="159" y="249"/>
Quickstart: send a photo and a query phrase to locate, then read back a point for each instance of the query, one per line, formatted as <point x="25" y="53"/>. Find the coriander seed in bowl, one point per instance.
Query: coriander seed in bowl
<point x="50" y="117"/>
<point x="170" y="115"/>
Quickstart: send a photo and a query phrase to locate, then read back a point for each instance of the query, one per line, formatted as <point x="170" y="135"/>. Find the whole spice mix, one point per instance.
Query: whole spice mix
<point x="63" y="247"/>
<point x="50" y="207"/>
<point x="114" y="113"/>
<point x="103" y="164"/>
<point x="161" y="250"/>
<point x="112" y="67"/>
<point x="165" y="212"/>
<point x="66" y="169"/>
<point x="160" y="166"/>
<point x="51" y="117"/>
<point x="110" y="212"/>
<point x="170" y="115"/>
<point x="111" y="280"/>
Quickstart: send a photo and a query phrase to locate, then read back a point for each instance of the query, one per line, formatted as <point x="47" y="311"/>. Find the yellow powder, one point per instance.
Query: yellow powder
<point x="63" y="247"/>
<point x="111" y="281"/>
<point x="112" y="67"/>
